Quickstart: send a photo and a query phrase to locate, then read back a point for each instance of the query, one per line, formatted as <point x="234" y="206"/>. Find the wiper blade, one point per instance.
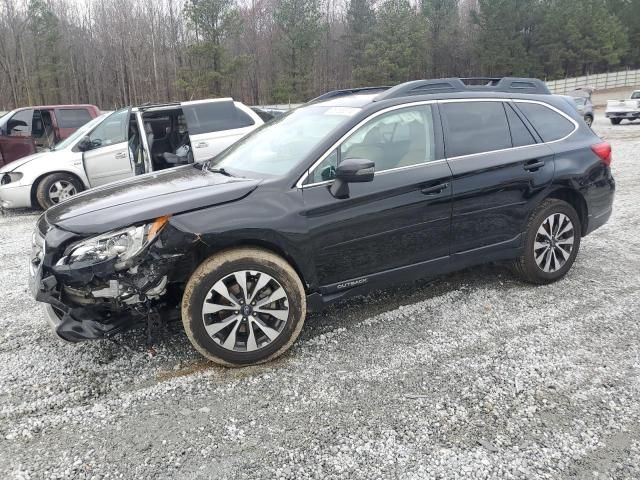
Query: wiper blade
<point x="220" y="170"/>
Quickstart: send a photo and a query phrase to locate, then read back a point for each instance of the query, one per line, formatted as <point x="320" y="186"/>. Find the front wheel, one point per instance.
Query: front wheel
<point x="56" y="188"/>
<point x="552" y="241"/>
<point x="243" y="307"/>
<point x="588" y="120"/>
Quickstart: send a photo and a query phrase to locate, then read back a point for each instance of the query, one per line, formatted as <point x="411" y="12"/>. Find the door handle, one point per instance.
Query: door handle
<point x="202" y="145"/>
<point x="120" y="155"/>
<point x="434" y="189"/>
<point x="533" y="165"/>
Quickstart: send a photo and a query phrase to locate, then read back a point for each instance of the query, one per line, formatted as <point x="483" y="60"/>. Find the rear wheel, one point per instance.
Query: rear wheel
<point x="551" y="244"/>
<point x="616" y="121"/>
<point x="243" y="307"/>
<point x="56" y="188"/>
<point x="588" y="120"/>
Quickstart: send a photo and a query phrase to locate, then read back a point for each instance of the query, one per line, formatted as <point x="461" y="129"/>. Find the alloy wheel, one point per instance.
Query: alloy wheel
<point x="61" y="190"/>
<point x="245" y="310"/>
<point x="554" y="242"/>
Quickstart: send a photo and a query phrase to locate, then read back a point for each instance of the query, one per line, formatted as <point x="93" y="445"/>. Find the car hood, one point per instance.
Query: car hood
<point x="146" y="197"/>
<point x="10" y="167"/>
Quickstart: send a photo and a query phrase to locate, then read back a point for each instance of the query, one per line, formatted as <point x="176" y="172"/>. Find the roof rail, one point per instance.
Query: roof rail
<point x="152" y="104"/>
<point x="473" y="84"/>
<point x="347" y="91"/>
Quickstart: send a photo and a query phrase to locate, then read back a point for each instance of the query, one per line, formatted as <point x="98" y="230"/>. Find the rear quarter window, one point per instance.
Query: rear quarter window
<point x="72" y="117"/>
<point x="215" y="117"/>
<point x="549" y="124"/>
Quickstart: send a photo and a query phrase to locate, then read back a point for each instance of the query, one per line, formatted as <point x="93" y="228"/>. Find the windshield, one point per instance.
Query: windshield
<point x="80" y="132"/>
<point x="280" y="145"/>
<point x="635" y="95"/>
<point x="5" y="117"/>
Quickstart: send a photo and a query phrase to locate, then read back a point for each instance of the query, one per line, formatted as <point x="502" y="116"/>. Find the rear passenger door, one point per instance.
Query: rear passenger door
<point x="216" y="124"/>
<point x="498" y="164"/>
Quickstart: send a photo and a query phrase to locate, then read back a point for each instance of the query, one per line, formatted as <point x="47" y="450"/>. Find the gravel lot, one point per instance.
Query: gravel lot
<point x="474" y="375"/>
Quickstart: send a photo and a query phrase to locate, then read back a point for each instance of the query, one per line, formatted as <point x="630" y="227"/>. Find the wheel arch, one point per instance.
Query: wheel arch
<point x="301" y="269"/>
<point x="577" y="201"/>
<point x="36" y="182"/>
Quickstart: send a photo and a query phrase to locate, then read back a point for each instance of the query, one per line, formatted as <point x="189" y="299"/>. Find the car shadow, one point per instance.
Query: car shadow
<point x="177" y="358"/>
<point x="19" y="212"/>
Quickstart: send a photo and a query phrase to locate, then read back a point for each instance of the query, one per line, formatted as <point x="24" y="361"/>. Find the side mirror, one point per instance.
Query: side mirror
<point x="14" y="126"/>
<point x="351" y="170"/>
<point x="84" y="144"/>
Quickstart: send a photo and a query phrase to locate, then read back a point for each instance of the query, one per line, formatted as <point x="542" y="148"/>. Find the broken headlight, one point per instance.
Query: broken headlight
<point x="119" y="245"/>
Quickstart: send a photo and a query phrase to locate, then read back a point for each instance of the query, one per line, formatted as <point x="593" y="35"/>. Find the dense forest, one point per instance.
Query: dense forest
<point x="117" y="52"/>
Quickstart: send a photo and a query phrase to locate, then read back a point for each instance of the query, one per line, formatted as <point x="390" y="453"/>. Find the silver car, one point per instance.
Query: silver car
<point x="124" y="143"/>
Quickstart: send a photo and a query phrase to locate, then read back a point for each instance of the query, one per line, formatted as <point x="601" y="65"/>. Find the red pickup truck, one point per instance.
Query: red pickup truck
<point x="26" y="130"/>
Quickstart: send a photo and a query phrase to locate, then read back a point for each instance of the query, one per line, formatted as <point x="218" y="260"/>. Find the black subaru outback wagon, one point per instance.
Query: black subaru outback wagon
<point x="354" y="190"/>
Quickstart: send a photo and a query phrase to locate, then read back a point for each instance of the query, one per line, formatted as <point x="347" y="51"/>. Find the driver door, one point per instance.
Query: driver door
<point x="400" y="219"/>
<point x="108" y="160"/>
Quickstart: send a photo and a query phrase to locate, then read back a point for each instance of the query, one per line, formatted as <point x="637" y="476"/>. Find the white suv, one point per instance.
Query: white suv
<point x="131" y="141"/>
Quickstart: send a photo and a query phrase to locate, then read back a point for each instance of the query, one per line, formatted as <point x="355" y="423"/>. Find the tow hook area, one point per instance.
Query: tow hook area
<point x="156" y="326"/>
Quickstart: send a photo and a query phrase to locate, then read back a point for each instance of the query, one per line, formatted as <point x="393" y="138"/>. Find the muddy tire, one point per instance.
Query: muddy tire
<point x="552" y="242"/>
<point x="243" y="306"/>
<point x="56" y="188"/>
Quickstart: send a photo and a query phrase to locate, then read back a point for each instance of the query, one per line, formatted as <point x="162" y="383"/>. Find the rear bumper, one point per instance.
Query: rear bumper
<point x="622" y="114"/>
<point x="596" y="221"/>
<point x="15" y="196"/>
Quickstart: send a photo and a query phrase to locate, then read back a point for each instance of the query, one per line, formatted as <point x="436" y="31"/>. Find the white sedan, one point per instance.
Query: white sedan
<point x="127" y="142"/>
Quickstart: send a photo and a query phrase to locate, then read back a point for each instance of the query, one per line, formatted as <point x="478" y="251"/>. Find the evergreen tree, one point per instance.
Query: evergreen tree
<point x="579" y="37"/>
<point x="506" y="37"/>
<point x="360" y="27"/>
<point x="214" y="22"/>
<point x="443" y="36"/>
<point x="45" y="26"/>
<point x="394" y="53"/>
<point x="298" y="22"/>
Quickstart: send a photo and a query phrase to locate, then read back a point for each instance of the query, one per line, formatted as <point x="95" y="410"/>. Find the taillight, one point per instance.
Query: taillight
<point x="603" y="151"/>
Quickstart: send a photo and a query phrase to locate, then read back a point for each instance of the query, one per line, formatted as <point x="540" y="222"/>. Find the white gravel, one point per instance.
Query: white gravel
<point x="474" y="375"/>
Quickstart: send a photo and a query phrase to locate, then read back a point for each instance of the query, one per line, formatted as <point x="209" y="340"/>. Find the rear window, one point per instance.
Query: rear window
<point x="215" y="117"/>
<point x="549" y="124"/>
<point x="475" y="127"/>
<point x="72" y="117"/>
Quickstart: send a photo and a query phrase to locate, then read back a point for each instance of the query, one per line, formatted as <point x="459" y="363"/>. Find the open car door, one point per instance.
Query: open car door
<point x="106" y="154"/>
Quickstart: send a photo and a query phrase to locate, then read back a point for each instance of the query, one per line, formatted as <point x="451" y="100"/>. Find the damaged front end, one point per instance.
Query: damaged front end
<point x="95" y="287"/>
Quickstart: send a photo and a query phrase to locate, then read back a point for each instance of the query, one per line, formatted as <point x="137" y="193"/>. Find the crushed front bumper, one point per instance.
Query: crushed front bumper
<point x="71" y="329"/>
<point x="94" y="301"/>
<point x="75" y="324"/>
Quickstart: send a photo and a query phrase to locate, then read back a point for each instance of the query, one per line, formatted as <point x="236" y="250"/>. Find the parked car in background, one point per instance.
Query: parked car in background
<point x="111" y="148"/>
<point x="27" y="130"/>
<point x="582" y="98"/>
<point x="358" y="190"/>
<point x="618" y="110"/>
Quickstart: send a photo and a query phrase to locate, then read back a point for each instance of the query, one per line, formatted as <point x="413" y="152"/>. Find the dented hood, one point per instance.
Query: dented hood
<point x="138" y="199"/>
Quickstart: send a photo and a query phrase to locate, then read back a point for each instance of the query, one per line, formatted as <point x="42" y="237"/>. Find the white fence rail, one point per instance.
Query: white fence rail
<point x="625" y="78"/>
